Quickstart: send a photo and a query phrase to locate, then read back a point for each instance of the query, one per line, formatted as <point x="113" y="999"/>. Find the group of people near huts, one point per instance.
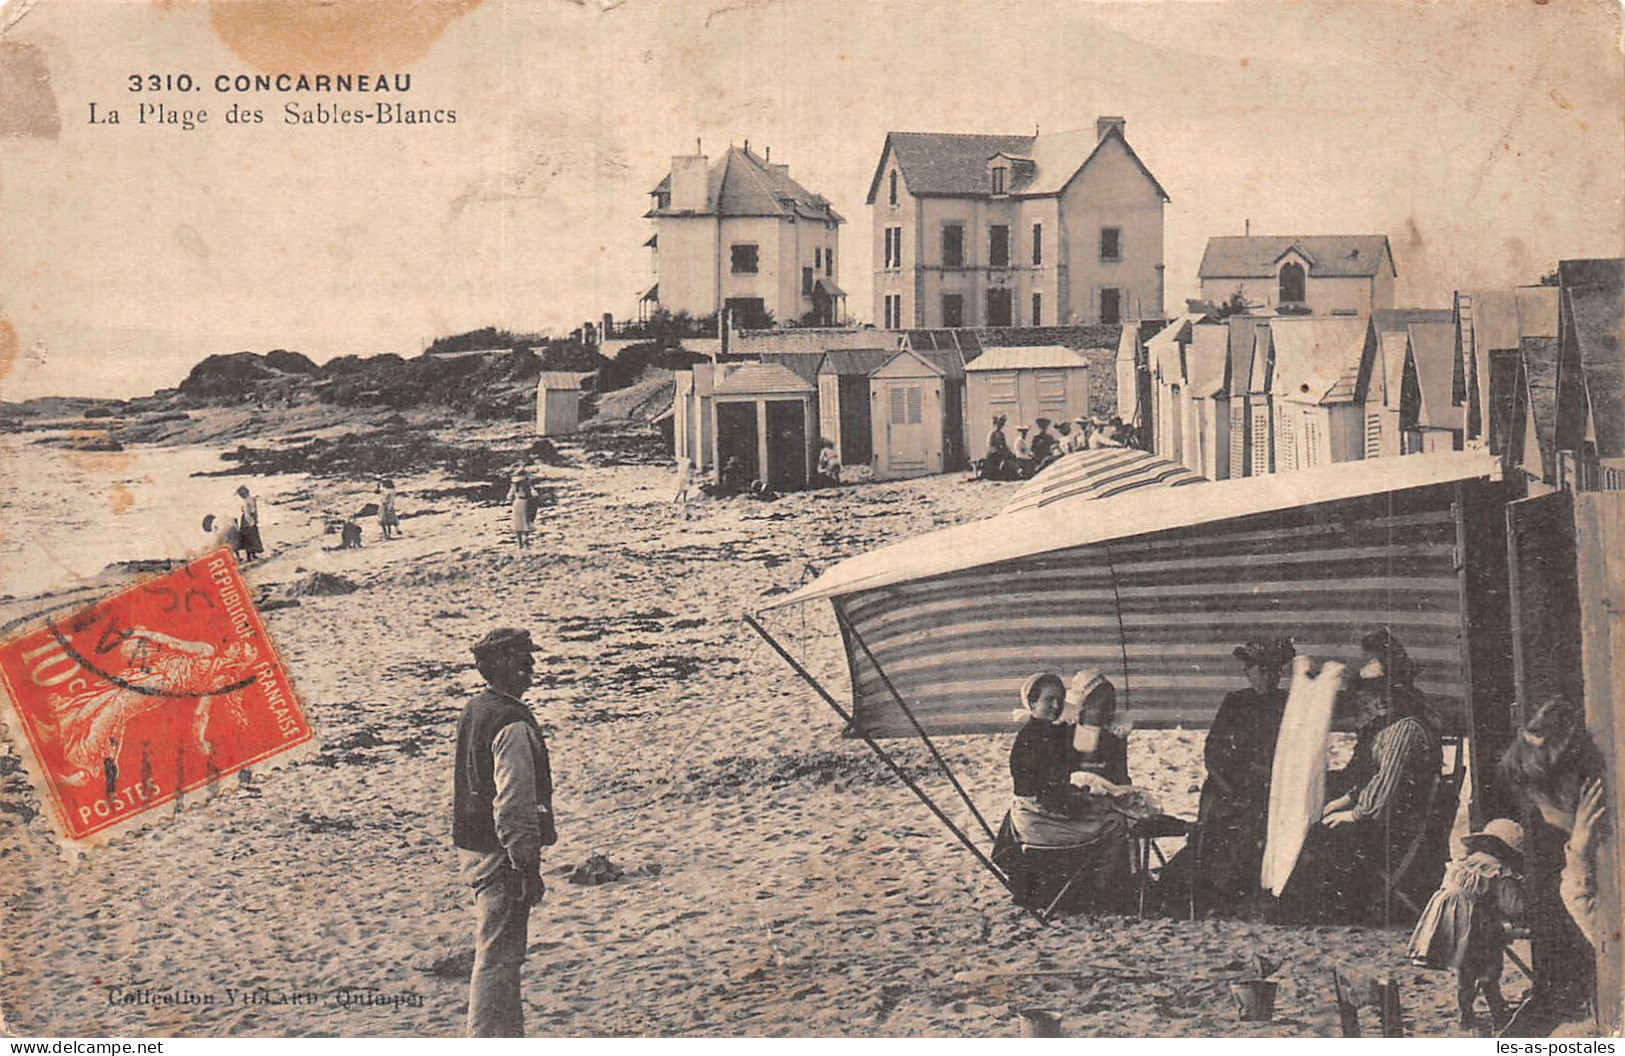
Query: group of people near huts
<point x="1075" y="813"/>
<point x="1035" y="448"/>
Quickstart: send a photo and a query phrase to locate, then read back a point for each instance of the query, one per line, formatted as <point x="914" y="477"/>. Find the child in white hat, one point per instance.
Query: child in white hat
<point x="1465" y="923"/>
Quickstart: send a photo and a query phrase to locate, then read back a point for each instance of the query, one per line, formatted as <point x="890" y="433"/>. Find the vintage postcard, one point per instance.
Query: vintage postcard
<point x="913" y="518"/>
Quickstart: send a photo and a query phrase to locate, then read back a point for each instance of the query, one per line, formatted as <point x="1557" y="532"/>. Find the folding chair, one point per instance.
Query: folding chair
<point x="1145" y="835"/>
<point x="1042" y="878"/>
<point x="1412" y="877"/>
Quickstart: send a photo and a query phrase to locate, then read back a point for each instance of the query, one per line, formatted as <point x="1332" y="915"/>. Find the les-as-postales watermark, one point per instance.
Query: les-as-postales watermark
<point x="161" y="689"/>
<point x="186" y="102"/>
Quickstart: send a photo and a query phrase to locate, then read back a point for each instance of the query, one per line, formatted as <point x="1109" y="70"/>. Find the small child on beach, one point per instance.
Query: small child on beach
<point x="387" y="519"/>
<point x="1465" y="923"/>
<point x="685" y="480"/>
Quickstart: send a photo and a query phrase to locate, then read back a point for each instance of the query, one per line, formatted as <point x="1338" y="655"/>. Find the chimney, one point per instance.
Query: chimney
<point x="1105" y="125"/>
<point x="688" y="183"/>
<point x="1248" y="230"/>
<point x="769" y="155"/>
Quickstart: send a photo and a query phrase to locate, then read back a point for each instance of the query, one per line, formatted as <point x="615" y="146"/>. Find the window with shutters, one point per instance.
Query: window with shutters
<point x="998" y="246"/>
<point x="999" y="312"/>
<point x="1293" y="283"/>
<point x="1111" y="243"/>
<point x="1001" y="388"/>
<point x="1238" y="446"/>
<point x="1288" y="459"/>
<point x="742" y="258"/>
<point x="1373" y="435"/>
<point x="1261" y="442"/>
<point x="953" y="245"/>
<point x="907" y="404"/>
<point x="1311" y="443"/>
<point x="1051" y="386"/>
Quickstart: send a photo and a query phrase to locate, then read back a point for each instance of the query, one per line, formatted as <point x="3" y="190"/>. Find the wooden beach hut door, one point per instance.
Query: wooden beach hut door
<point x="907" y="439"/>
<point x="1600" y="545"/>
<point x="1545" y="603"/>
<point x="736" y="437"/>
<point x="857" y="440"/>
<point x="786" y="445"/>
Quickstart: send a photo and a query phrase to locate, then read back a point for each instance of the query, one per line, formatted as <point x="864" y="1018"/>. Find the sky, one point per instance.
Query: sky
<point x="1486" y="138"/>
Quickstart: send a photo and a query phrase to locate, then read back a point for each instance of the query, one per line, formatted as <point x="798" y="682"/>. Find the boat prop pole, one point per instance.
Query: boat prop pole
<point x="898" y="697"/>
<point x="818" y="688"/>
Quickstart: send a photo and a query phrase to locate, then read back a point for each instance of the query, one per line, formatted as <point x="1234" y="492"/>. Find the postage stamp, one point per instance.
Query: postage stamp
<point x="145" y="696"/>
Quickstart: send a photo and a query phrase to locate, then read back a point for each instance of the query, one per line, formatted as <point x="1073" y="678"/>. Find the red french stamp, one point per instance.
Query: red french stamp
<point x="145" y="696"/>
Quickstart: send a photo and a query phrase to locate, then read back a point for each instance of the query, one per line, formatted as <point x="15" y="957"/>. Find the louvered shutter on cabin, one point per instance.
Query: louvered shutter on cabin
<point x="1261" y="441"/>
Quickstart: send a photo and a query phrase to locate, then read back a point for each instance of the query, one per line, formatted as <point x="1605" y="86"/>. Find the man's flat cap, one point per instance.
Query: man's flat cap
<point x="504" y="640"/>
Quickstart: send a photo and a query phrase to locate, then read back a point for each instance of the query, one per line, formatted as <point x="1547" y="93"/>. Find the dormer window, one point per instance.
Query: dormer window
<point x="999" y="176"/>
<point x="1293" y="285"/>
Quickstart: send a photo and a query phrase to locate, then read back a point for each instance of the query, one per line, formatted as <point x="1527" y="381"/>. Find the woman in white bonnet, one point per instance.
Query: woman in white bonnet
<point x="1049" y="810"/>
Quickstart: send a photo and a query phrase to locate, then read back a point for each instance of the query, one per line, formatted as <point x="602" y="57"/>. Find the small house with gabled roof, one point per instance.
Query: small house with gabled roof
<point x="1300" y="274"/>
<point x="741" y="234"/>
<point x="997" y="230"/>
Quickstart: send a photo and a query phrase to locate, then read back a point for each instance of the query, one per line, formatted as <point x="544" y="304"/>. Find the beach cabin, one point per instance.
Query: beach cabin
<point x="1206" y="407"/>
<point x="908" y="396"/>
<point x="1127" y="367"/>
<point x="1430" y="418"/>
<point x="1165" y="360"/>
<point x="844" y="412"/>
<point x="766" y="417"/>
<point x="1590" y="430"/>
<point x="1491" y="326"/>
<point x="1023" y="384"/>
<point x="1388" y="349"/>
<point x="1261" y="402"/>
<point x="558" y="402"/>
<point x="1319" y="402"/>
<point x="693" y="425"/>
<point x="1242" y="337"/>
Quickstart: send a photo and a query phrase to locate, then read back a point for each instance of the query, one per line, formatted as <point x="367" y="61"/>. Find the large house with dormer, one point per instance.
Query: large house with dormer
<point x="1040" y="230"/>
<point x="741" y="234"/>
<point x="1300" y="274"/>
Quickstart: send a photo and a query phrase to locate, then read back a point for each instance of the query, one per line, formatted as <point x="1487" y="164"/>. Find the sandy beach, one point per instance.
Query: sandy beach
<point x="777" y="880"/>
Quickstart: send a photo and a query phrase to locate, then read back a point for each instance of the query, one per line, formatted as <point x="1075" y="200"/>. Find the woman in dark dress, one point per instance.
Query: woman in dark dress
<point x="1228" y="844"/>
<point x="1387" y="792"/>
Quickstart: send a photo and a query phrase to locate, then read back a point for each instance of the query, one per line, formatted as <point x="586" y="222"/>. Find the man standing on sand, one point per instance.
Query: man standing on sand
<point x="502" y="817"/>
